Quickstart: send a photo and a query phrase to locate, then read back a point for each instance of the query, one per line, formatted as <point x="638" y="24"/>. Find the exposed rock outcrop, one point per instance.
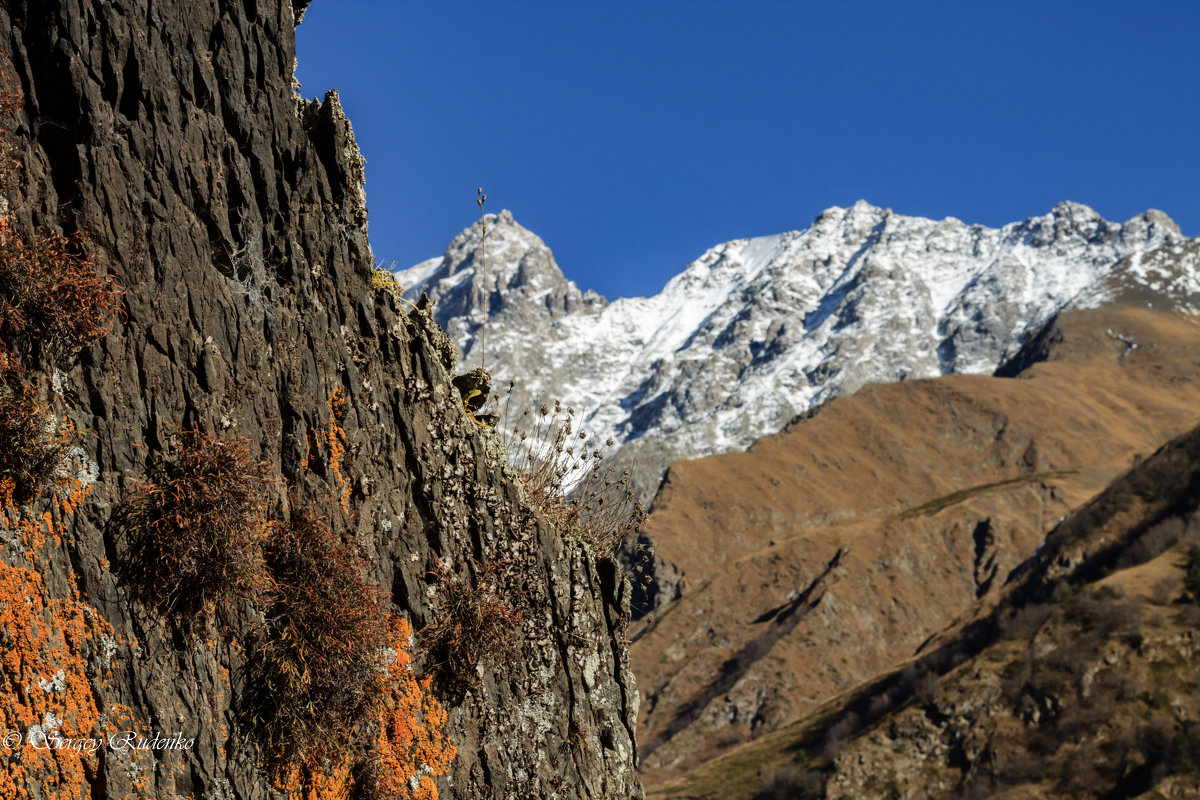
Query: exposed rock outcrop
<point x="233" y="214"/>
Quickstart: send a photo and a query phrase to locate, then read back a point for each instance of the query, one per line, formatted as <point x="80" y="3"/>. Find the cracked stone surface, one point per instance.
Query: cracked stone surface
<point x="233" y="213"/>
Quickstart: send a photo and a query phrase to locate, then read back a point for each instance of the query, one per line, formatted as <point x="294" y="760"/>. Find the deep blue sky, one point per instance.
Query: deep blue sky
<point x="632" y="135"/>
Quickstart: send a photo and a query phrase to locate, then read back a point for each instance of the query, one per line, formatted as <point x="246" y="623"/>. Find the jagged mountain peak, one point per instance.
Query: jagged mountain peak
<point x="1085" y="217"/>
<point x="515" y="255"/>
<point x="511" y="276"/>
<point x="1155" y="217"/>
<point x="758" y="330"/>
<point x="1071" y="210"/>
<point x="504" y="234"/>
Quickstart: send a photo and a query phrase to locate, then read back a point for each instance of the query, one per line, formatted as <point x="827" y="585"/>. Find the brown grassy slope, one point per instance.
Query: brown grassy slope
<point x="1083" y="682"/>
<point x="1079" y="680"/>
<point x="829" y="552"/>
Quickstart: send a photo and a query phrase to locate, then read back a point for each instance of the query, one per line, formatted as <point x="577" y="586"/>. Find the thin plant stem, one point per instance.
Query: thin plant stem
<point x="480" y="199"/>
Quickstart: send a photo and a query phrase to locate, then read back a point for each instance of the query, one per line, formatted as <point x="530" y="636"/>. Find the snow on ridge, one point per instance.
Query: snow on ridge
<point x="758" y="330"/>
<point x="420" y="274"/>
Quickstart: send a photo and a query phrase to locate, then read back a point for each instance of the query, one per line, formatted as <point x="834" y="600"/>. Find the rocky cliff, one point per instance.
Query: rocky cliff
<point x="231" y="214"/>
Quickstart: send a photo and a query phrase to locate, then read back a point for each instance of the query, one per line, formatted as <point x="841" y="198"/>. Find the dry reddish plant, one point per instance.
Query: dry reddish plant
<point x="11" y="101"/>
<point x="194" y="529"/>
<point x="316" y="671"/>
<point x="51" y="294"/>
<point x="328" y="689"/>
<point x="52" y="302"/>
<point x="33" y="441"/>
<point x="330" y="671"/>
<point x="474" y="623"/>
<point x="409" y="745"/>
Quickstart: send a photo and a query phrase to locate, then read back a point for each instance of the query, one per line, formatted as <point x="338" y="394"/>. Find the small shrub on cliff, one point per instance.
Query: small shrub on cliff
<point x="393" y="755"/>
<point x="474" y="623"/>
<point x="194" y="529"/>
<point x="317" y="670"/>
<point x="52" y="302"/>
<point x="33" y="441"/>
<point x="50" y="293"/>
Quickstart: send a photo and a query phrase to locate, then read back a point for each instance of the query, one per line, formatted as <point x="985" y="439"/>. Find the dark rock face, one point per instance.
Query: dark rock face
<point x="233" y="214"/>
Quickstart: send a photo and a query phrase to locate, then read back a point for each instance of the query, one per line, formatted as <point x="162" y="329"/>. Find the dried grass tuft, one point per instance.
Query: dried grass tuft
<point x="562" y="468"/>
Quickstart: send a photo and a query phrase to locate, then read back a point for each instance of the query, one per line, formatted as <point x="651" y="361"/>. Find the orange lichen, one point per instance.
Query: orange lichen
<point x="412" y="746"/>
<point x="74" y="495"/>
<point x="46" y="694"/>
<point x="308" y="446"/>
<point x="335" y="782"/>
<point x="313" y="670"/>
<point x="335" y="439"/>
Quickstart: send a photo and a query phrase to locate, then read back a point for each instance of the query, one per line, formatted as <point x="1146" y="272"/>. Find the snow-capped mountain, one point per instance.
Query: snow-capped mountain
<point x="759" y="330"/>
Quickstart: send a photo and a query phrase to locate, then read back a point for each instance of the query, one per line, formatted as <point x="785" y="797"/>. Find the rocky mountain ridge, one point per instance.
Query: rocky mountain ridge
<point x="757" y="331"/>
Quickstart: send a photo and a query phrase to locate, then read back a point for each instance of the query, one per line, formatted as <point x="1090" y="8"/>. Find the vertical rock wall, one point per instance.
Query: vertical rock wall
<point x="233" y="214"/>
